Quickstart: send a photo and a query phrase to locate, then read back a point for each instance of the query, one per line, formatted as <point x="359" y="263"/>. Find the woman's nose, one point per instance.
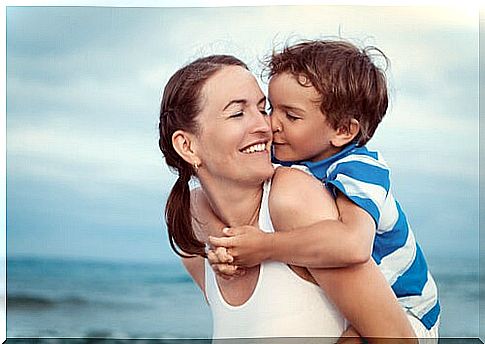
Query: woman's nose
<point x="261" y="123"/>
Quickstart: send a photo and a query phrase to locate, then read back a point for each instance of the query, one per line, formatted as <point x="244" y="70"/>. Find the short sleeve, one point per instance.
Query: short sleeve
<point x="364" y="180"/>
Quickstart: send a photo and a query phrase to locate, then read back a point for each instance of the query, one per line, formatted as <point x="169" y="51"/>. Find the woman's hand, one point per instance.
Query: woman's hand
<point x="248" y="246"/>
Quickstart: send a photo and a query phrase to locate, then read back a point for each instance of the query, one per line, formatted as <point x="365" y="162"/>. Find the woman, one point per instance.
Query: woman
<point x="213" y="125"/>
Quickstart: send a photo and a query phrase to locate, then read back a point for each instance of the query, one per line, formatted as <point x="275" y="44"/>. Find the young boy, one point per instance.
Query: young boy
<point x="327" y="99"/>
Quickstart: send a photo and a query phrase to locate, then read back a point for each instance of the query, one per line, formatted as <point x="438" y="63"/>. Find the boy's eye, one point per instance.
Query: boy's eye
<point x="291" y="117"/>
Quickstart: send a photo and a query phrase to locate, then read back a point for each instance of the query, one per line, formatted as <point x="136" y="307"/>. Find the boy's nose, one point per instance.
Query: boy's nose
<point x="275" y="124"/>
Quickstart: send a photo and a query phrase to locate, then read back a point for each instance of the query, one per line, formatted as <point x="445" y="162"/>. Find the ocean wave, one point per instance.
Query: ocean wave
<point x="37" y="301"/>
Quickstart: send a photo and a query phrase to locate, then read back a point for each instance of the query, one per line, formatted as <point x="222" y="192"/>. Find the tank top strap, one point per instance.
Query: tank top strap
<point x="264" y="220"/>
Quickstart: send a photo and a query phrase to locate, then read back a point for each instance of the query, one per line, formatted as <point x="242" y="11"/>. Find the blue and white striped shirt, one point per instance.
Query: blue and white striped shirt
<point x="363" y="176"/>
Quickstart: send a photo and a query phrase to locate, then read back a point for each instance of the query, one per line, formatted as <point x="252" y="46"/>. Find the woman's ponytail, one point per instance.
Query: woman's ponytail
<point x="179" y="220"/>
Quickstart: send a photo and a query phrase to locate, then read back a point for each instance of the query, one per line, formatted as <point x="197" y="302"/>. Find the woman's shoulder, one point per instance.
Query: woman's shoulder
<point x="290" y="184"/>
<point x="298" y="198"/>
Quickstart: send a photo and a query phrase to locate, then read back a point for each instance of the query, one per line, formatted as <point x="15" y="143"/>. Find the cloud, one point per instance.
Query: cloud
<point x="83" y="90"/>
<point x="56" y="149"/>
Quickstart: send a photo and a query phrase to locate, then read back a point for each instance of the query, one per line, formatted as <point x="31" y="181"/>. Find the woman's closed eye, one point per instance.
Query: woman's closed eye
<point x="237" y="114"/>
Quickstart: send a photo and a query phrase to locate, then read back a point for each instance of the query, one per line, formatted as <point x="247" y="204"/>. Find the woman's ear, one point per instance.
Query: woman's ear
<point x="346" y="133"/>
<point x="184" y="144"/>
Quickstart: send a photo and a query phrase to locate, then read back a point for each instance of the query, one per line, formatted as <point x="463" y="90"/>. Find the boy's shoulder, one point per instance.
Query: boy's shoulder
<point x="358" y="159"/>
<point x="361" y="175"/>
<point x="361" y="153"/>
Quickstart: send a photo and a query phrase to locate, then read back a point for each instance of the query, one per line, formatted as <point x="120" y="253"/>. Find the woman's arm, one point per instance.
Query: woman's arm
<point x="360" y="291"/>
<point x="199" y="210"/>
<point x="195" y="267"/>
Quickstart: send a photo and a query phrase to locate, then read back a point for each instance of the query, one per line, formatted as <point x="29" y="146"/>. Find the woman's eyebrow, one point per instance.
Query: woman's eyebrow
<point x="235" y="101"/>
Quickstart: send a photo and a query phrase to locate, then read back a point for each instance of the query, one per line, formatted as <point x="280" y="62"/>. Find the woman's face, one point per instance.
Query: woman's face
<point x="234" y="138"/>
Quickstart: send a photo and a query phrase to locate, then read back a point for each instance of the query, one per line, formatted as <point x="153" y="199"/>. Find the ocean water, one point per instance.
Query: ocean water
<point x="68" y="298"/>
<point x="64" y="298"/>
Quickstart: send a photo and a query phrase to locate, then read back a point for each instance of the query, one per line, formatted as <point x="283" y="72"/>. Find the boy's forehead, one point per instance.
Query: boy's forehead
<point x="302" y="78"/>
<point x="298" y="85"/>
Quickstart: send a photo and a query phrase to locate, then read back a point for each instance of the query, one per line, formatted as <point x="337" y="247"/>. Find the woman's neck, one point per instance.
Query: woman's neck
<point x="235" y="205"/>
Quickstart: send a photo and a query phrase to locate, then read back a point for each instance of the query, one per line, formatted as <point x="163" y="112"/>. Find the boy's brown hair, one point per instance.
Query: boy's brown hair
<point x="350" y="84"/>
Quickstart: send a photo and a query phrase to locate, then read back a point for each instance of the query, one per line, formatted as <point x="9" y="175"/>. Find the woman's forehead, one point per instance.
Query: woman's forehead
<point x="231" y="82"/>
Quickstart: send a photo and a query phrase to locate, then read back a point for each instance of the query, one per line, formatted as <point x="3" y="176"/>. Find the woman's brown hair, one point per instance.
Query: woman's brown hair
<point x="180" y="106"/>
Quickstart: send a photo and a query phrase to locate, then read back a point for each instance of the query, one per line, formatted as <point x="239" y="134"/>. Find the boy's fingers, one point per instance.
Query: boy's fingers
<point x="350" y="336"/>
<point x="213" y="258"/>
<point x="236" y="230"/>
<point x="349" y="340"/>
<point x="219" y="256"/>
<point x="226" y="269"/>
<point x="350" y="332"/>
<point x="240" y="272"/>
<point x="223" y="255"/>
<point x="228" y="231"/>
<point x="233" y="231"/>
<point x="220" y="274"/>
<point x="221" y="242"/>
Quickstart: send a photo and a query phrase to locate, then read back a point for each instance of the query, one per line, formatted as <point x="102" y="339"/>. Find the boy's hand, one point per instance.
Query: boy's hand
<point x="350" y="336"/>
<point x="220" y="262"/>
<point x="247" y="245"/>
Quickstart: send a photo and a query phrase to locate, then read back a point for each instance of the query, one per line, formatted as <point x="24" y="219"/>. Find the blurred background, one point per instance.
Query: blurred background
<point x="87" y="250"/>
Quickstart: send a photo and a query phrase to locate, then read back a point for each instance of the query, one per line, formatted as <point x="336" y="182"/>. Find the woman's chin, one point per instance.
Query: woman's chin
<point x="260" y="173"/>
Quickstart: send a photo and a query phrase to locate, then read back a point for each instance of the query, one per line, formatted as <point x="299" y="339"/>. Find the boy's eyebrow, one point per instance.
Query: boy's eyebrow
<point x="290" y="107"/>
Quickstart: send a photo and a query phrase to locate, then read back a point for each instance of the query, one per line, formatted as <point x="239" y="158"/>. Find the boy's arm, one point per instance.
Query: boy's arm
<point x="363" y="296"/>
<point x="360" y="291"/>
<point x="326" y="242"/>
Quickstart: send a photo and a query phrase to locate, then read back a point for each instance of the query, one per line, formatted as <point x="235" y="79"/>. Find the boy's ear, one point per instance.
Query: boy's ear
<point x="185" y="145"/>
<point x="346" y="133"/>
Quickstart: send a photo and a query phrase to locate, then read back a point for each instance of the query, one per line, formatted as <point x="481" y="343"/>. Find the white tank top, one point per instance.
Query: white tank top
<point x="282" y="304"/>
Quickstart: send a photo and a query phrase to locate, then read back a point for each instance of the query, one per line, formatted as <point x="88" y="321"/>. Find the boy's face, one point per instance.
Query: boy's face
<point x="300" y="129"/>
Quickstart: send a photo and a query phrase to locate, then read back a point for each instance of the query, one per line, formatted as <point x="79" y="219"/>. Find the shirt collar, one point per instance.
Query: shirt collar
<point x="319" y="168"/>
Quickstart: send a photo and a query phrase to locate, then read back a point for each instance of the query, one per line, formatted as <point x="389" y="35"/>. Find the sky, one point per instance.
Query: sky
<point x="85" y="177"/>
